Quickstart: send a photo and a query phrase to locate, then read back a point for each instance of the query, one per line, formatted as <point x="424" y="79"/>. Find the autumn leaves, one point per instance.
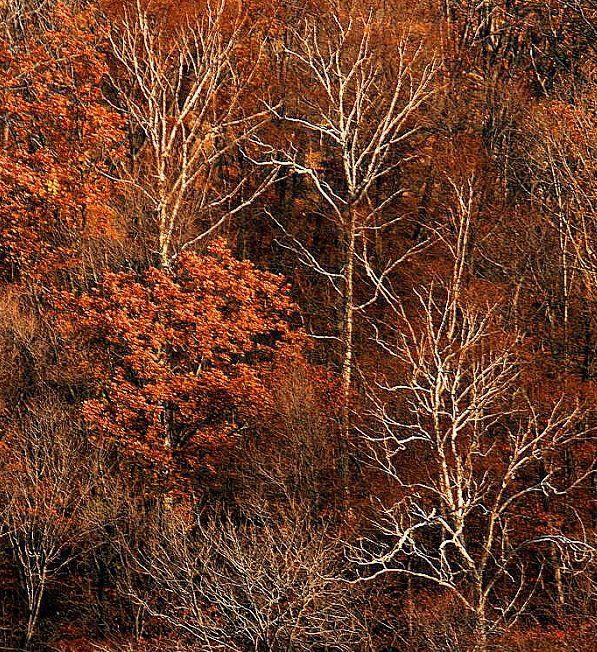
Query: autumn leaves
<point x="183" y="360"/>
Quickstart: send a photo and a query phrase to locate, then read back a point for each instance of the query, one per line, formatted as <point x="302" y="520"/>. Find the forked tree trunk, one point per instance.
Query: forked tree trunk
<point x="33" y="609"/>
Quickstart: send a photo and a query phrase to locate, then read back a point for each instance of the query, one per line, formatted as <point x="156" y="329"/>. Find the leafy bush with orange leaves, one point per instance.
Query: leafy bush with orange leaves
<point x="59" y="136"/>
<point x="183" y="358"/>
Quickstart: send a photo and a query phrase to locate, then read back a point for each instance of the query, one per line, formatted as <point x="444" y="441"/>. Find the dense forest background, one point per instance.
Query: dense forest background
<point x="298" y="325"/>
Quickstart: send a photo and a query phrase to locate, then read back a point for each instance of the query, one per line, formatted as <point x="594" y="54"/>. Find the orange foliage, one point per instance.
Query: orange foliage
<point x="183" y="358"/>
<point x="59" y="134"/>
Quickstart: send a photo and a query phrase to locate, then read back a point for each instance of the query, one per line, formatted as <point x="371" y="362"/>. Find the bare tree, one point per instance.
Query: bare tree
<point x="46" y="485"/>
<point x="266" y="583"/>
<point x="557" y="170"/>
<point x="486" y="457"/>
<point x="357" y="119"/>
<point x="182" y="91"/>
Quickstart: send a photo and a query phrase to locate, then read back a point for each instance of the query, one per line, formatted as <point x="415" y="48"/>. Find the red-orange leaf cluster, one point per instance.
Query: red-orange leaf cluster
<point x="183" y="357"/>
<point x="59" y="136"/>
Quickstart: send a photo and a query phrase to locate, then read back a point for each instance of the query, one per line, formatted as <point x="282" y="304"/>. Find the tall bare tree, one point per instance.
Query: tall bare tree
<point x="183" y="90"/>
<point x="46" y="481"/>
<point x="486" y="459"/>
<point x="357" y="119"/>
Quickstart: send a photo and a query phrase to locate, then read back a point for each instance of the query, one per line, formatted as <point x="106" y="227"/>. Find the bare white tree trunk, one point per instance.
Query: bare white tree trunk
<point x="360" y="115"/>
<point x="183" y="91"/>
<point x="482" y="446"/>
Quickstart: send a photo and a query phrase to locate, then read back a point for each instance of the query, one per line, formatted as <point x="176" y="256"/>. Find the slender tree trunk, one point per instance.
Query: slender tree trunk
<point x="164" y="239"/>
<point x="347" y="334"/>
<point x="481" y="621"/>
<point x="347" y="342"/>
<point x="34" y="608"/>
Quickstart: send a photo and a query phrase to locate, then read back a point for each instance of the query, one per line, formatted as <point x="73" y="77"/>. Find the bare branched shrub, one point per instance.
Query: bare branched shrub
<point x="47" y="479"/>
<point x="265" y="584"/>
